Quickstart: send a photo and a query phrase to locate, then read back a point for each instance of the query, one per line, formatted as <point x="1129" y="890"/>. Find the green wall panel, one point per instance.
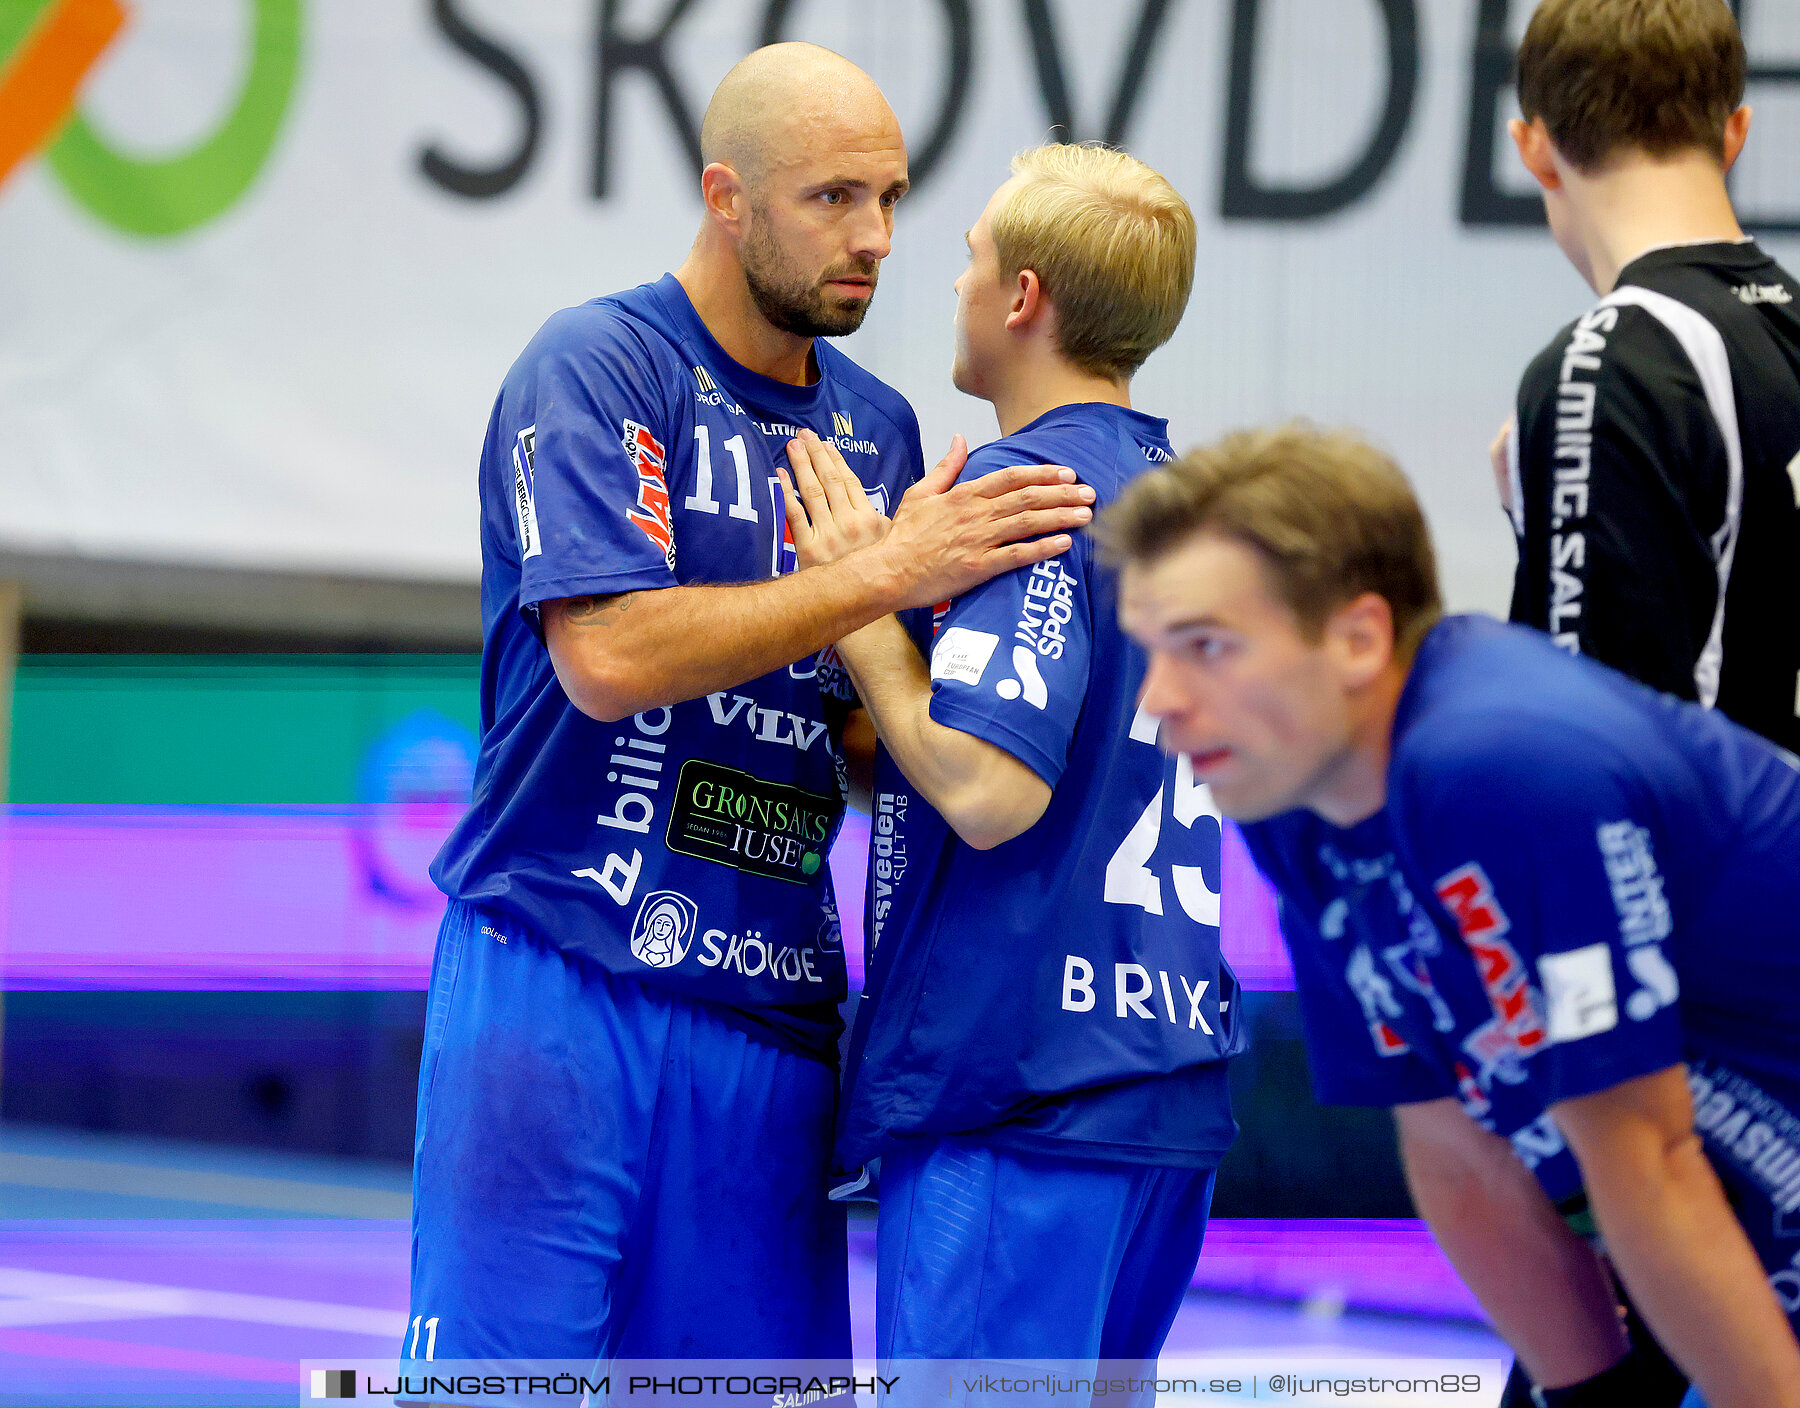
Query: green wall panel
<point x="244" y="729"/>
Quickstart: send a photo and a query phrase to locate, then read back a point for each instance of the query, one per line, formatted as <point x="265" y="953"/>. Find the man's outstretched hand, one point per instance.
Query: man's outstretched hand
<point x="946" y="537"/>
<point x="828" y="512"/>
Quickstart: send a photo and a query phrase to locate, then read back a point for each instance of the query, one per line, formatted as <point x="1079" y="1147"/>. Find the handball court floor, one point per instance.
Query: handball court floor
<point x="138" y="1271"/>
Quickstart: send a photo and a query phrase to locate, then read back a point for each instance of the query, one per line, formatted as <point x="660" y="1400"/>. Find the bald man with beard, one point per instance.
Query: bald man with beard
<point x="630" y="1049"/>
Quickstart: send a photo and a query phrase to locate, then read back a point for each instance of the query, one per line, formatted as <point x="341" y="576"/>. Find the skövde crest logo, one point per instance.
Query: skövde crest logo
<point x="664" y="928"/>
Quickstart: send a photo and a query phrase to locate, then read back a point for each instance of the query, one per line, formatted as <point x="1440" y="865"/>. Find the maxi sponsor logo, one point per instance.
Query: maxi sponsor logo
<point x="650" y="459"/>
<point x="1500" y="1045"/>
<point x="759" y="827"/>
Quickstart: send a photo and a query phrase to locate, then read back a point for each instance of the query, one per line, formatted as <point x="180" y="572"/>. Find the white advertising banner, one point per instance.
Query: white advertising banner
<point x="263" y="263"/>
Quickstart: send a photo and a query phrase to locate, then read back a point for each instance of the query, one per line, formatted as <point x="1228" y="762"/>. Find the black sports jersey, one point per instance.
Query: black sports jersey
<point x="1656" y="482"/>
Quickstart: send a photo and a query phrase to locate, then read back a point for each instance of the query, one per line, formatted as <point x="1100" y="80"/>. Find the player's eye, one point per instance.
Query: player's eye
<point x="835" y="197"/>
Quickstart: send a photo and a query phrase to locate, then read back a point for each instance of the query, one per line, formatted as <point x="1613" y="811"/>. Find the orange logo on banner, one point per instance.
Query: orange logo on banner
<point x="40" y="79"/>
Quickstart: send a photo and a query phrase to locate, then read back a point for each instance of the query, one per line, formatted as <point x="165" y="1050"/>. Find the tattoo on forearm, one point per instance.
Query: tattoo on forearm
<point x="593" y="609"/>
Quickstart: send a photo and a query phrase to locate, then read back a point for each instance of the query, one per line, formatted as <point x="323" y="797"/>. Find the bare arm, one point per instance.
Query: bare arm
<point x="623" y="654"/>
<point x="1680" y="1250"/>
<point x="619" y="655"/>
<point x="987" y="795"/>
<point x="1543" y="1287"/>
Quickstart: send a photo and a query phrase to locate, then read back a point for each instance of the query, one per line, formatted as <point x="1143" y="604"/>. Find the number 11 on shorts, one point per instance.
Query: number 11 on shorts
<point x="412" y="1351"/>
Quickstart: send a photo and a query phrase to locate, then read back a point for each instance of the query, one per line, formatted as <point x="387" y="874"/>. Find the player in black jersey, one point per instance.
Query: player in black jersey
<point x="1654" y="474"/>
<point x="1653" y="470"/>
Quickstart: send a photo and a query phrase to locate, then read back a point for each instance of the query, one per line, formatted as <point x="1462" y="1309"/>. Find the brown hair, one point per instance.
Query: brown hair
<point x="1660" y="76"/>
<point x="1112" y="245"/>
<point x="1331" y="517"/>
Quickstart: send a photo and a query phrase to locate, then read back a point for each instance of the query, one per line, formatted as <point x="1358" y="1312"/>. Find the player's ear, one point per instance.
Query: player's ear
<point x="1360" y="637"/>
<point x="722" y="190"/>
<point x="1028" y="301"/>
<point x="1737" y="129"/>
<point x="1536" y="150"/>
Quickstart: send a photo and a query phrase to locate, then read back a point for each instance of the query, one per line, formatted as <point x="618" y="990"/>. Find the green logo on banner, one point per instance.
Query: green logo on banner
<point x="47" y="48"/>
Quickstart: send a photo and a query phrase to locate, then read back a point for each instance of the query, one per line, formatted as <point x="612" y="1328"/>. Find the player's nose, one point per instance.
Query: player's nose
<point x="1163" y="695"/>
<point x="872" y="233"/>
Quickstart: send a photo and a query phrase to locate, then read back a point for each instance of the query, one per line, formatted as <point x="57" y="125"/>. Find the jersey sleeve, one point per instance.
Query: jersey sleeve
<point x="1541" y="850"/>
<point x="590" y="461"/>
<point x="1354" y="1058"/>
<point x="1010" y="661"/>
<point x="1621" y="484"/>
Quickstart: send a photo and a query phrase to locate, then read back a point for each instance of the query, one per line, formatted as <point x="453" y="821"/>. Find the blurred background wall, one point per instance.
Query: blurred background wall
<point x="262" y="266"/>
<point x="259" y="287"/>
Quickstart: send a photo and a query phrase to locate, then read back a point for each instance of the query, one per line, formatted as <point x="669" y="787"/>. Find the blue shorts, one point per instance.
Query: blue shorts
<point x="993" y="1253"/>
<point x="603" y="1170"/>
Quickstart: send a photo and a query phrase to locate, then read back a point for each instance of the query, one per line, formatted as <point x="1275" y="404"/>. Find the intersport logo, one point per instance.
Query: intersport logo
<point x="49" y="49"/>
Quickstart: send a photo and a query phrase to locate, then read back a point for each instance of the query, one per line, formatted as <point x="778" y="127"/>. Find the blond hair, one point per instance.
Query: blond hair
<point x="1657" y="76"/>
<point x="1330" y="516"/>
<point x="1112" y="245"/>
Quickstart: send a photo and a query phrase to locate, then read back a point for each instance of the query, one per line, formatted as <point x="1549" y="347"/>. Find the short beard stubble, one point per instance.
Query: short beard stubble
<point x="788" y="299"/>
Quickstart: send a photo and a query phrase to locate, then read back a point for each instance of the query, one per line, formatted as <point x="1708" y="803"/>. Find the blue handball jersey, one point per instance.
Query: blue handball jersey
<point x="1063" y="990"/>
<point x="684" y="846"/>
<point x="1575" y="881"/>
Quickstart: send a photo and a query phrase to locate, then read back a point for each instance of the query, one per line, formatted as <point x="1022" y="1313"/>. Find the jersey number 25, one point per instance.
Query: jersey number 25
<point x="1129" y="878"/>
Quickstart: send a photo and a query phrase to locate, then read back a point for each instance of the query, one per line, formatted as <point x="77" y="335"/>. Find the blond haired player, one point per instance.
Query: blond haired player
<point x="1040" y="1060"/>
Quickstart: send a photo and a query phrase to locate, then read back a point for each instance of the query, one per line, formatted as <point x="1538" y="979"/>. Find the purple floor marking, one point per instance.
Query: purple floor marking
<point x="190" y="1359"/>
<point x="351" y="1261"/>
<point x="1372" y="1264"/>
<point x="127" y="1353"/>
<point x="304" y="897"/>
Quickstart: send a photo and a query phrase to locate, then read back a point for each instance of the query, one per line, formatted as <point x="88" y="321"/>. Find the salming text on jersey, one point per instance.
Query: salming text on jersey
<point x="1656" y="512"/>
